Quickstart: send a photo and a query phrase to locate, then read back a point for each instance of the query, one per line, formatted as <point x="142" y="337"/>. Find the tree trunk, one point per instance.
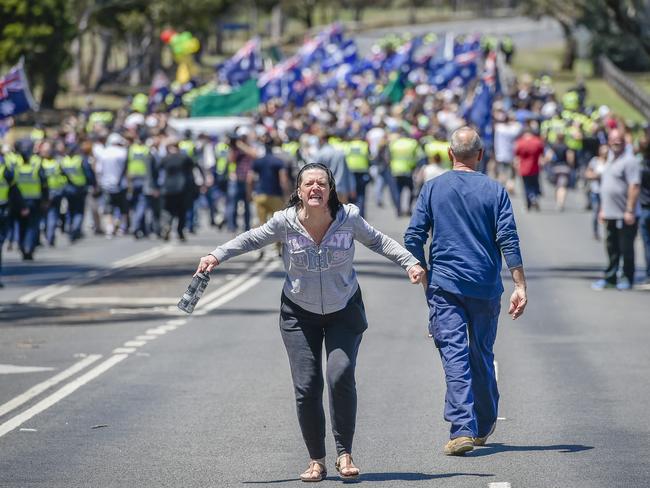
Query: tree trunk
<point x="570" y="47"/>
<point x="413" y="14"/>
<point x="358" y="13"/>
<point x="76" y="49"/>
<point x="89" y="69"/>
<point x="276" y="23"/>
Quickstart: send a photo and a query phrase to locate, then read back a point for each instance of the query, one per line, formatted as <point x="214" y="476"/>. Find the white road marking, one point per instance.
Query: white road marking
<point x="501" y="418"/>
<point x="122" y="301"/>
<point x="496" y="370"/>
<point x="156" y="331"/>
<point x="60" y="394"/>
<point x="237" y="287"/>
<point x="145" y="337"/>
<point x="41" y="387"/>
<point x="177" y="322"/>
<point x="123" y="350"/>
<point x="12" y="369"/>
<point x="28" y="430"/>
<point x="145" y="311"/>
<point x="214" y="300"/>
<point x="501" y="484"/>
<point x="42" y="295"/>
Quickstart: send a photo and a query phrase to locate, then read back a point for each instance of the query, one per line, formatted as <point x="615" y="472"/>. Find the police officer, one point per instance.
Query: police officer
<point x="139" y="173"/>
<point x="56" y="182"/>
<point x="188" y="147"/>
<point x="405" y="153"/>
<point x="80" y="176"/>
<point x="32" y="183"/>
<point x="222" y="168"/>
<point x="357" y="156"/>
<point x="10" y="201"/>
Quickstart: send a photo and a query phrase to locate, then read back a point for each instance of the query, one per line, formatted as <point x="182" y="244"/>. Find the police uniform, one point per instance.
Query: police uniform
<point x="7" y="184"/>
<point x="56" y="182"/>
<point x="32" y="185"/>
<point x="404" y="155"/>
<point x="79" y="177"/>
<point x="357" y="156"/>
<point x="138" y="172"/>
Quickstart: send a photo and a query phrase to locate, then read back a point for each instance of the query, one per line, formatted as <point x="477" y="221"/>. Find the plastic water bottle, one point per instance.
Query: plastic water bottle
<point x="194" y="291"/>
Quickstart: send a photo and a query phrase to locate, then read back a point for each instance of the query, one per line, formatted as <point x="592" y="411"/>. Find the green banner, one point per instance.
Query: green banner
<point x="394" y="91"/>
<point x="243" y="99"/>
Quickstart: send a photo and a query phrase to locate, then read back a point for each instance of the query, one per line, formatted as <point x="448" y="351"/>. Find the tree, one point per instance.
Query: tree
<point x="567" y="13"/>
<point x="41" y="32"/>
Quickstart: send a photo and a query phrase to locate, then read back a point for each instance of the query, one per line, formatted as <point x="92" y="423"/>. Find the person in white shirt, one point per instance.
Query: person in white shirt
<point x="111" y="176"/>
<point x="505" y="135"/>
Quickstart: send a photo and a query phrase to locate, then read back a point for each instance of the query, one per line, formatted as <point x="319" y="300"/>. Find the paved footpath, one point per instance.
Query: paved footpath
<point x="103" y="383"/>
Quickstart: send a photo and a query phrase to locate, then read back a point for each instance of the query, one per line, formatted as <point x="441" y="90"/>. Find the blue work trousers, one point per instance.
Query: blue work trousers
<point x="464" y="330"/>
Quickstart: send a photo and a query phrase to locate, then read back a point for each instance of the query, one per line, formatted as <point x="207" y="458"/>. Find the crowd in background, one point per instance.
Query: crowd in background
<point x="131" y="175"/>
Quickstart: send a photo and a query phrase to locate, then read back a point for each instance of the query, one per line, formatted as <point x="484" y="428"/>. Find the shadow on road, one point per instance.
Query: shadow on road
<point x="497" y="448"/>
<point x="390" y="476"/>
<point x="584" y="272"/>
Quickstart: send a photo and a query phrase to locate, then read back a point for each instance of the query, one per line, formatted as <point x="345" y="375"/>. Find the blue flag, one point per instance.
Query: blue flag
<point x="15" y="97"/>
<point x="244" y="65"/>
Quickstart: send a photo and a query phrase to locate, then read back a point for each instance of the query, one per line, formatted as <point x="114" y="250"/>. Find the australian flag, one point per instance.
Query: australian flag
<point x="15" y="97"/>
<point x="244" y="65"/>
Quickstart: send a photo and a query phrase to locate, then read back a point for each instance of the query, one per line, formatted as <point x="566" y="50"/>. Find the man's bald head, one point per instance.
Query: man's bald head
<point x="616" y="141"/>
<point x="466" y="146"/>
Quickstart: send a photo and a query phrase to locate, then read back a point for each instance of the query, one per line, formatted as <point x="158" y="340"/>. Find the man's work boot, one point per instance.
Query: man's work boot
<point x="459" y="446"/>
<point x="480" y="441"/>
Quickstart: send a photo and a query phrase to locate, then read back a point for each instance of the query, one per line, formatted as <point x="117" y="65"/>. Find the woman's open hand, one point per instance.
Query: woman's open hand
<point x="207" y="264"/>
<point x="417" y="274"/>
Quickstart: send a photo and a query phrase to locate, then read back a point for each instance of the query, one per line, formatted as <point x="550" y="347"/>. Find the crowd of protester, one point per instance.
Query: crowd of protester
<point x="129" y="174"/>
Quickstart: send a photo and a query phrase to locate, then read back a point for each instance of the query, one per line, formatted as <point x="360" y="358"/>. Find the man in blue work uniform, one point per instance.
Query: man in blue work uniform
<point x="472" y="225"/>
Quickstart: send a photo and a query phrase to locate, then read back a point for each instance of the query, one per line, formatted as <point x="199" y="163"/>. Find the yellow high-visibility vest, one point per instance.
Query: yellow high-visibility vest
<point x="28" y="180"/>
<point x="356" y="156"/>
<point x="72" y="167"/>
<point x="403" y="156"/>
<point x="136" y="166"/>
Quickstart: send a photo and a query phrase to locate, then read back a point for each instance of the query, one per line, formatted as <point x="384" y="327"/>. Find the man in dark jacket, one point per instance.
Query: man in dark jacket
<point x="175" y="188"/>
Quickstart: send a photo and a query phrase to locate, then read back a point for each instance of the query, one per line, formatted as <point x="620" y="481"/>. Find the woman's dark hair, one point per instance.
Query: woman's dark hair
<point x="333" y="203"/>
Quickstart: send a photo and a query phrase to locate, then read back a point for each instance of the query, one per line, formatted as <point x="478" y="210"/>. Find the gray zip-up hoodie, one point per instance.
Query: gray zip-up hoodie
<point x="320" y="278"/>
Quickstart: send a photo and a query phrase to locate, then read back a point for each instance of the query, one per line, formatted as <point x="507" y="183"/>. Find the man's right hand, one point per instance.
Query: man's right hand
<point x="518" y="301"/>
<point x="207" y="264"/>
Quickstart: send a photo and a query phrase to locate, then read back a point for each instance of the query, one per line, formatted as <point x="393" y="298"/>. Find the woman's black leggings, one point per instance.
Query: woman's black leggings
<point x="304" y="333"/>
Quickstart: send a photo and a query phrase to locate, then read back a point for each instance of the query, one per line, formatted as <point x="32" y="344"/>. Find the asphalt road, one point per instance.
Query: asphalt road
<point x="207" y="400"/>
<point x="525" y="32"/>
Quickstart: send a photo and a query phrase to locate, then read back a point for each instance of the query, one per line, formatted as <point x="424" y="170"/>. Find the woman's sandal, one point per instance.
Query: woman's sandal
<point x="346" y="468"/>
<point x="316" y="472"/>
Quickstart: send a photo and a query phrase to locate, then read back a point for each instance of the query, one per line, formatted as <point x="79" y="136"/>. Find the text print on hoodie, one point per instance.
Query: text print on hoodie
<point x="320" y="278"/>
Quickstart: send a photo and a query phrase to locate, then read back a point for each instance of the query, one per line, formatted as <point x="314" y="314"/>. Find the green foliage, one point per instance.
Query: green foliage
<point x="41" y="31"/>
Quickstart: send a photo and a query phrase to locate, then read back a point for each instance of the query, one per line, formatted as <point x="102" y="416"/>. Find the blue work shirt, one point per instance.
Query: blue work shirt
<point x="472" y="224"/>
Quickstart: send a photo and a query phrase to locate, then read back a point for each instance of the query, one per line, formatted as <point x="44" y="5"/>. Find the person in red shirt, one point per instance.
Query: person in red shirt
<point x="529" y="148"/>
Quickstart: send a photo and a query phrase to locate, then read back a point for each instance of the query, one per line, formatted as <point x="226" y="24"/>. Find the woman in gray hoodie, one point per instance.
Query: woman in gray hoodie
<point x="321" y="303"/>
